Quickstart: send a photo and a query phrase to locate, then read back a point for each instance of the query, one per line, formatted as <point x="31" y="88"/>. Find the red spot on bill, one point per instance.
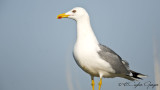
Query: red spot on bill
<point x="59" y="17"/>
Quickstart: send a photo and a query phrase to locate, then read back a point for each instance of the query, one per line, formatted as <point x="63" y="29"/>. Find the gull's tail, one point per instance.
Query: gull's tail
<point x="135" y="76"/>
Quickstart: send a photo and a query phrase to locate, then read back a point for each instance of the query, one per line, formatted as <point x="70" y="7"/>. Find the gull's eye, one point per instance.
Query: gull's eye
<point x="74" y="11"/>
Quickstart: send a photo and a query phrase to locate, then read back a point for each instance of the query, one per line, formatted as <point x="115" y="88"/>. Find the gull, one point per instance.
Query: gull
<point x="94" y="58"/>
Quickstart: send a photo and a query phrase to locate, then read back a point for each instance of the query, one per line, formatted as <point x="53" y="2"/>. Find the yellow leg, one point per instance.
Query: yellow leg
<point x="92" y="84"/>
<point x="100" y="83"/>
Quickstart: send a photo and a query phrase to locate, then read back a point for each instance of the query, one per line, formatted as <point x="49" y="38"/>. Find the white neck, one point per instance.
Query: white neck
<point x="85" y="33"/>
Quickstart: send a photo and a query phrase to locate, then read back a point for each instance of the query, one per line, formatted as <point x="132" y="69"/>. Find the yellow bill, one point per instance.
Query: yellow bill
<point x="62" y="16"/>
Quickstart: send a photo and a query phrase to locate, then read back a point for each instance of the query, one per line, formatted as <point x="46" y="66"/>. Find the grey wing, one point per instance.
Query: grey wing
<point x="113" y="59"/>
<point x="126" y="64"/>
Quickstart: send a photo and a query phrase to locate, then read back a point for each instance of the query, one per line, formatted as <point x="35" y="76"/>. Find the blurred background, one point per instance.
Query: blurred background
<point x="36" y="48"/>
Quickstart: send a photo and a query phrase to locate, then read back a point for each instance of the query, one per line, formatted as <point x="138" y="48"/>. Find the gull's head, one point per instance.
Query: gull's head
<point x="76" y="14"/>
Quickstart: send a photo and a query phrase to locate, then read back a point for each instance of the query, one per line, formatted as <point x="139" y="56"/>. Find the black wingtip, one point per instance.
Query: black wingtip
<point x="137" y="75"/>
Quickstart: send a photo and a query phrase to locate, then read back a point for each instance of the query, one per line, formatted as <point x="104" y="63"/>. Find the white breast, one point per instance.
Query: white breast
<point x="88" y="59"/>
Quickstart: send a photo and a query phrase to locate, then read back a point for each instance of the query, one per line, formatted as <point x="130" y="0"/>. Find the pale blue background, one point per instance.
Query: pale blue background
<point x="36" y="48"/>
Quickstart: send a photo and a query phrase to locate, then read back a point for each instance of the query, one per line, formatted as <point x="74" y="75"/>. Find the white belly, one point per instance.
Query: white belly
<point x="88" y="59"/>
